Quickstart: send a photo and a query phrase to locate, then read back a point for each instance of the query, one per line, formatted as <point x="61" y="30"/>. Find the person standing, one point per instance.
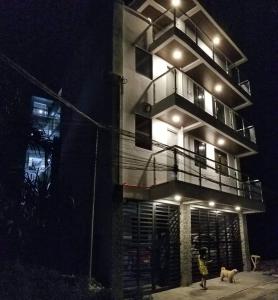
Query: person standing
<point x="202" y="264"/>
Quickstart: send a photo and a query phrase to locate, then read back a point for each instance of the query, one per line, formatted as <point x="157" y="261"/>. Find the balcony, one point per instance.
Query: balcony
<point x="182" y="175"/>
<point x="181" y="102"/>
<point x="176" y="37"/>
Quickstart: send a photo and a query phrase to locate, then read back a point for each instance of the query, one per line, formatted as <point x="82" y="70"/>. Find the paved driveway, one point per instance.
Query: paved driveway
<point x="249" y="285"/>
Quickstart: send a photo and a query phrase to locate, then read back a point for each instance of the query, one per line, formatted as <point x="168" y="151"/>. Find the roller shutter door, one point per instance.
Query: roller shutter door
<point x="151" y="247"/>
<point x="220" y="233"/>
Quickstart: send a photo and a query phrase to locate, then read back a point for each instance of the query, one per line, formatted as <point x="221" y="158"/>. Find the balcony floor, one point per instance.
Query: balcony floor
<point x="195" y="195"/>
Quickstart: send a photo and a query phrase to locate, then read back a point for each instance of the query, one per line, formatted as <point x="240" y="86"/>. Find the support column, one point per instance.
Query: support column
<point x="185" y="245"/>
<point x="244" y="242"/>
<point x="117" y="248"/>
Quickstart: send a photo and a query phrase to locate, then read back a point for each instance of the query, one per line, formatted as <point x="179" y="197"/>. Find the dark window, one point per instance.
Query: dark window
<point x="144" y="63"/>
<point x="143" y="132"/>
<point x="221" y="162"/>
<point x="200" y="150"/>
<point x="219" y="111"/>
<point x="199" y="96"/>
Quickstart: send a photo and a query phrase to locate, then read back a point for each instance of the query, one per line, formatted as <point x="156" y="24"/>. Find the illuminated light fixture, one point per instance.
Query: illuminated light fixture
<point x="176" y="119"/>
<point x="221" y="142"/>
<point x="211" y="203"/>
<point x="176" y="3"/>
<point x="202" y="147"/>
<point x="40" y="111"/>
<point x="216" y="40"/>
<point x="218" y="88"/>
<point x="200" y="97"/>
<point x="177" y="197"/>
<point x="150" y="20"/>
<point x="177" y="54"/>
<point x="237" y="208"/>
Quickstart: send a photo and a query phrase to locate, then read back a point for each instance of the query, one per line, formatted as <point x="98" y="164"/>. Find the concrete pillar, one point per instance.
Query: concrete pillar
<point x="244" y="242"/>
<point x="185" y="247"/>
<point x="117" y="248"/>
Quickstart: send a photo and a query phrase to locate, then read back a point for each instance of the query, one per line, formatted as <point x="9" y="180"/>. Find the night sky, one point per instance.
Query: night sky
<point x="42" y="36"/>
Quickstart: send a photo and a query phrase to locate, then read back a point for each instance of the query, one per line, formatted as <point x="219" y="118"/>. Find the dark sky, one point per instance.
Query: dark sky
<point x="42" y="36"/>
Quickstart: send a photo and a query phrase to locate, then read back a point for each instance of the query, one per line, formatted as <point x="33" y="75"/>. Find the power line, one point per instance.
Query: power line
<point x="45" y="88"/>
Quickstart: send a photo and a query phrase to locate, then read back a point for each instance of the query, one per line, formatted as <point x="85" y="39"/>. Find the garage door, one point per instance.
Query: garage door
<point x="151" y="248"/>
<point x="220" y="233"/>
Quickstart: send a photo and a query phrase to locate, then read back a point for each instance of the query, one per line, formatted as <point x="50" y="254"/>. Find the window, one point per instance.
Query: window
<point x="219" y="111"/>
<point x="200" y="149"/>
<point x="144" y="63"/>
<point x="221" y="162"/>
<point x="199" y="96"/>
<point x="143" y="132"/>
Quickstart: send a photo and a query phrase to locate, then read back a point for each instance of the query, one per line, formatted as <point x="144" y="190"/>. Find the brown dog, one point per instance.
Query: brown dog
<point x="230" y="274"/>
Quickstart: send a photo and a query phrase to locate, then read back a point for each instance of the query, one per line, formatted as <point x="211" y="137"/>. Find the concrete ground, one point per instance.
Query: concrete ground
<point x="249" y="285"/>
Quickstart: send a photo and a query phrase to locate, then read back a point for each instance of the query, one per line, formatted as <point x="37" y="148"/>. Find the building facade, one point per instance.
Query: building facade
<point x="163" y="78"/>
<point x="182" y="185"/>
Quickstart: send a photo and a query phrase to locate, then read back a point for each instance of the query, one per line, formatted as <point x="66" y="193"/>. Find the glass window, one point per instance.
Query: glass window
<point x="144" y="63"/>
<point x="219" y="111"/>
<point x="40" y="109"/>
<point x="201" y="153"/>
<point x="143" y="132"/>
<point x="221" y="162"/>
<point x="199" y="96"/>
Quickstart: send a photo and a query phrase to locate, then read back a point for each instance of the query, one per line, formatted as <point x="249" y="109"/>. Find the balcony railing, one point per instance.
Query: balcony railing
<point x="197" y="35"/>
<point x="187" y="166"/>
<point x="175" y="81"/>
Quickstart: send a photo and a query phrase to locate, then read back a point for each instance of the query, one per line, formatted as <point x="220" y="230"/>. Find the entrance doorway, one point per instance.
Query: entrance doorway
<point x="220" y="234"/>
<point x="151" y="248"/>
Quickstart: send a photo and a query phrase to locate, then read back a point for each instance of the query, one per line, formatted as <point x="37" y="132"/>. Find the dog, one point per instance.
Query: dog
<point x="230" y="274"/>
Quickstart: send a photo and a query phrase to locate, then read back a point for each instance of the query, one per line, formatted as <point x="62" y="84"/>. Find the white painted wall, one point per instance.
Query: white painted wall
<point x="133" y="90"/>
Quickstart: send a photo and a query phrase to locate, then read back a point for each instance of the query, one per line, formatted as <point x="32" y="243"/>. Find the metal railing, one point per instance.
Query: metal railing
<point x="175" y="81"/>
<point x="197" y="35"/>
<point x="188" y="166"/>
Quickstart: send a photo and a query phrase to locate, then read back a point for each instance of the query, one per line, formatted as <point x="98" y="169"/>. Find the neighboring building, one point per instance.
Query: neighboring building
<point x="169" y="182"/>
<point x="46" y="124"/>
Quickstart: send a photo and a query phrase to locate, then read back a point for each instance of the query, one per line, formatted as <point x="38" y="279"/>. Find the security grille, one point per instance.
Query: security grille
<point x="151" y="260"/>
<point x="220" y="233"/>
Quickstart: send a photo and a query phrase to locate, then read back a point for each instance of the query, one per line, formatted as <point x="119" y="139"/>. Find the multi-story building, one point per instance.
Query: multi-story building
<point x="46" y="127"/>
<point x="165" y="81"/>
<point x="182" y="184"/>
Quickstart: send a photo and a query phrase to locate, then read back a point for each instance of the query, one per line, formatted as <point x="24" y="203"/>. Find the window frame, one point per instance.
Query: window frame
<point x="143" y="139"/>
<point x="137" y="65"/>
<point x="222" y="168"/>
<point x="200" y="161"/>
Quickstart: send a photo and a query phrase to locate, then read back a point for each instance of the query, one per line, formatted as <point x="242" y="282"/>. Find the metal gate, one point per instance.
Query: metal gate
<point x="219" y="232"/>
<point x="151" y="248"/>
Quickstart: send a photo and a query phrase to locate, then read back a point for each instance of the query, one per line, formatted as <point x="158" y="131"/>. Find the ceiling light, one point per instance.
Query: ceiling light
<point x="218" y="88"/>
<point x="176" y="119"/>
<point x="176" y="3"/>
<point x="177" y="54"/>
<point x="150" y="20"/>
<point x="177" y="197"/>
<point x="237" y="208"/>
<point x="211" y="203"/>
<point x="216" y="40"/>
<point x="221" y="142"/>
